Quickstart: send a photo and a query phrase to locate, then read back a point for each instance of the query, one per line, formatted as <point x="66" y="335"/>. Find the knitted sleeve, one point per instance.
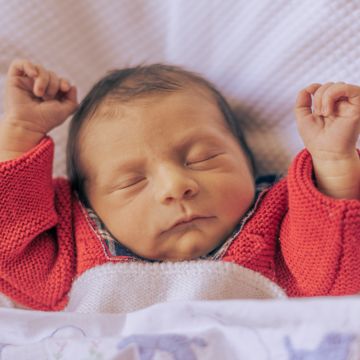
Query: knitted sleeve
<point x="36" y="243"/>
<point x="319" y="238"/>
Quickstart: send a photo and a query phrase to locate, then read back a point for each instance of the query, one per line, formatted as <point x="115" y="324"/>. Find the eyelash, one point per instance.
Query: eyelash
<point x="131" y="183"/>
<point x="202" y="160"/>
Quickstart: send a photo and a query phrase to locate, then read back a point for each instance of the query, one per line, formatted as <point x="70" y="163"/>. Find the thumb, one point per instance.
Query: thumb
<point x="69" y="103"/>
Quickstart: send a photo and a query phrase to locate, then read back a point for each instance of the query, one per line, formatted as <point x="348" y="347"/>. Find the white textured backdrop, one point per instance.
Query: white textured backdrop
<point x="259" y="52"/>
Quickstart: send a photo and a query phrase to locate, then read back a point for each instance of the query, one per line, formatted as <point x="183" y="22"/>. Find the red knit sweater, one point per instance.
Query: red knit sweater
<point x="303" y="240"/>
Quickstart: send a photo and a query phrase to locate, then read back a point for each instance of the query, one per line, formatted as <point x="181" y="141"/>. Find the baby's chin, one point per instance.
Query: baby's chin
<point x="188" y="247"/>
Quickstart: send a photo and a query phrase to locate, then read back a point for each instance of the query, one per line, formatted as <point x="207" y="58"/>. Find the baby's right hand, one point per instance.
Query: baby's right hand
<point x="36" y="99"/>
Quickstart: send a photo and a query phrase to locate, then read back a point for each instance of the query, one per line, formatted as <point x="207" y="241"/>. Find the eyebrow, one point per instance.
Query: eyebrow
<point x="199" y="136"/>
<point x="128" y="164"/>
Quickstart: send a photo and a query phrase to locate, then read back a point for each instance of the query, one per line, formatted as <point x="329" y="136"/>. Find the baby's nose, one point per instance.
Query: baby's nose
<point x="174" y="184"/>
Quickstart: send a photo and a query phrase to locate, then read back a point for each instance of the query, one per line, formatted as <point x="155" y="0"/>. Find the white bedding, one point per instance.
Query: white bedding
<point x="182" y="311"/>
<point x="316" y="329"/>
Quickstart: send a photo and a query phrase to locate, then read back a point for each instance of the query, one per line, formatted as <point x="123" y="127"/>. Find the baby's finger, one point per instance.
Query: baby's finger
<point x="64" y="85"/>
<point x="312" y="88"/>
<point x="41" y="81"/>
<point x="21" y="67"/>
<point x="303" y="101"/>
<point x="337" y="92"/>
<point x="69" y="101"/>
<point x="318" y="98"/>
<point x="71" y="95"/>
<point x="53" y="86"/>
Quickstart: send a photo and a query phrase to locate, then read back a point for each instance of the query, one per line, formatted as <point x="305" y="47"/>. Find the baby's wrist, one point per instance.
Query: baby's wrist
<point x="16" y="140"/>
<point x="338" y="178"/>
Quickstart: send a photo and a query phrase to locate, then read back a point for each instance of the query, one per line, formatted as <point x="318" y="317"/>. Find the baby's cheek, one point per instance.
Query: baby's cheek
<point x="237" y="198"/>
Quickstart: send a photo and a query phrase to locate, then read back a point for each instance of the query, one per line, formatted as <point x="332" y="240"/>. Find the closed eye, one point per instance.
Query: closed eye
<point x="201" y="159"/>
<point x="126" y="184"/>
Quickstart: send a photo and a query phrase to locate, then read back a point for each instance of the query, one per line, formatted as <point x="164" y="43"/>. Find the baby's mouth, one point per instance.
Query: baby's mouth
<point x="189" y="221"/>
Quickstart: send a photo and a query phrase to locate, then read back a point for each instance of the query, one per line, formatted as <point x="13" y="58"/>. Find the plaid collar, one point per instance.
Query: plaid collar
<point x="115" y="248"/>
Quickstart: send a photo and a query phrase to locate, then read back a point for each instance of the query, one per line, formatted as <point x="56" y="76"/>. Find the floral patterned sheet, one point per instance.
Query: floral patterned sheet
<point x="308" y="329"/>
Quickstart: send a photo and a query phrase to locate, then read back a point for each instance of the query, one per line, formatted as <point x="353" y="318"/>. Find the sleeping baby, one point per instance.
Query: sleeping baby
<point x="159" y="171"/>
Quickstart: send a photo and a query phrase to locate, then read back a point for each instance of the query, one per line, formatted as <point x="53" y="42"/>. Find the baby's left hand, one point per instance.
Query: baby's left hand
<point x="329" y="124"/>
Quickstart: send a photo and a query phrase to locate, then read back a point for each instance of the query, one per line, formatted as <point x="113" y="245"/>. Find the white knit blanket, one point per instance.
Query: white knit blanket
<point x="129" y="287"/>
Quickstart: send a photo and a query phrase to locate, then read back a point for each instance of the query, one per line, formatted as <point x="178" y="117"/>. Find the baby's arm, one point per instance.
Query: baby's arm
<point x="36" y="101"/>
<point x="37" y="254"/>
<point x="329" y="126"/>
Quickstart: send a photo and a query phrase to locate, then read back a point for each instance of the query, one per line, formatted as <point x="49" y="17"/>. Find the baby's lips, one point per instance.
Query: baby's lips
<point x="188" y="219"/>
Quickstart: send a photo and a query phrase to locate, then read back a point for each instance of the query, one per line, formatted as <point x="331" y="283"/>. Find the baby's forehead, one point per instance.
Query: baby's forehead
<point x="114" y="107"/>
<point x="153" y="96"/>
<point x="170" y="112"/>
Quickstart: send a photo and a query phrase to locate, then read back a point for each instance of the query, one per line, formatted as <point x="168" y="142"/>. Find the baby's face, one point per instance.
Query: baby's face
<point x="165" y="175"/>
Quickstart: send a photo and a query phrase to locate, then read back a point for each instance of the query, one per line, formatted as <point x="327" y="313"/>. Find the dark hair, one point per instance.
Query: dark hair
<point x="128" y="84"/>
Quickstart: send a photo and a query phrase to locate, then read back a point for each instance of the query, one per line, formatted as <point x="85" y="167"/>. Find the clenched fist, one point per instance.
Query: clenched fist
<point x="328" y="120"/>
<point x="36" y="101"/>
<point x="36" y="98"/>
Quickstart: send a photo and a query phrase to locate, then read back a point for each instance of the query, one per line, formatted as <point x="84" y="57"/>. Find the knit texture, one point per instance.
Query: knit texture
<point x="299" y="238"/>
<point x="153" y="283"/>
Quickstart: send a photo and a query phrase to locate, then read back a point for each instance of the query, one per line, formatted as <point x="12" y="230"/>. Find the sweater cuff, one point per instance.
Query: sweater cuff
<point x="45" y="148"/>
<point x="301" y="177"/>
